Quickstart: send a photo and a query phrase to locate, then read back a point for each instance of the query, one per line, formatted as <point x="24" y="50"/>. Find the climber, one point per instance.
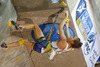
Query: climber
<point x="57" y="47"/>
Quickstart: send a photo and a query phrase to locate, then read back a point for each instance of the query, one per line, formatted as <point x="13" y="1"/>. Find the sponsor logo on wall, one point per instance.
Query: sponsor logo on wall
<point x="80" y="9"/>
<point x="83" y="20"/>
<point x="89" y="43"/>
<point x="89" y="49"/>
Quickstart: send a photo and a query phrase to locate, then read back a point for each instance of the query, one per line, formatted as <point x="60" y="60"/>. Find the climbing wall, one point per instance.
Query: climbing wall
<point x="37" y="12"/>
<point x="7" y="12"/>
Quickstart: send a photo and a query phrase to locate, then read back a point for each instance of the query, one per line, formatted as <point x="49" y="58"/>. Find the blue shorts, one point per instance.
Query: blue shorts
<point x="40" y="43"/>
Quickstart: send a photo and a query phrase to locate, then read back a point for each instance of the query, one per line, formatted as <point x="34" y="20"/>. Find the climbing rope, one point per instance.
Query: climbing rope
<point x="28" y="58"/>
<point x="52" y="28"/>
<point x="56" y="18"/>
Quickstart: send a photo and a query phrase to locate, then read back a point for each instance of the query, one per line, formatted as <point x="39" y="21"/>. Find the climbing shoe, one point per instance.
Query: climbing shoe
<point x="3" y="45"/>
<point x="16" y="25"/>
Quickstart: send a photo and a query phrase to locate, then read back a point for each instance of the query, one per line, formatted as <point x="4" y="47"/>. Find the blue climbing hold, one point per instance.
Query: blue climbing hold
<point x="54" y="36"/>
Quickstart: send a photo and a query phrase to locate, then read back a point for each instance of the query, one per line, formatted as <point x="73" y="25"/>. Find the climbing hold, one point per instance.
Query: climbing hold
<point x="63" y="3"/>
<point x="10" y="24"/>
<point x="8" y="47"/>
<point x="17" y="58"/>
<point x="67" y="20"/>
<point x="21" y="42"/>
<point x="72" y="49"/>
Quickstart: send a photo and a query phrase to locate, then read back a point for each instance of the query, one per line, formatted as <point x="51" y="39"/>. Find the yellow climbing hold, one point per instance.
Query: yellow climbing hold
<point x="72" y="49"/>
<point x="67" y="20"/>
<point x="63" y="3"/>
<point x="21" y="42"/>
<point x="10" y="24"/>
<point x="8" y="47"/>
<point x="17" y="58"/>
